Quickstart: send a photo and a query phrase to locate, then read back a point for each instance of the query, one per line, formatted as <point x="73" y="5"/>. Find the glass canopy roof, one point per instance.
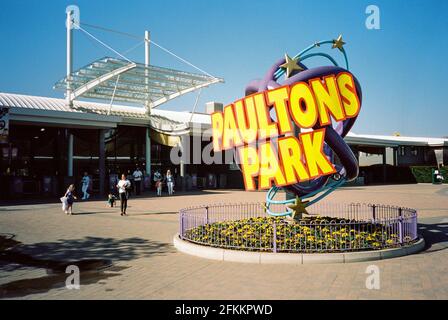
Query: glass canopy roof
<point x="121" y="80"/>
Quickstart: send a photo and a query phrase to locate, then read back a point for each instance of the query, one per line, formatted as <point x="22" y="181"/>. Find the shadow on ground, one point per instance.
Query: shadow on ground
<point x="435" y="235"/>
<point x="154" y="213"/>
<point x="147" y="195"/>
<point x="91" y="248"/>
<point x="93" y="256"/>
<point x="54" y="280"/>
<point x="79" y="213"/>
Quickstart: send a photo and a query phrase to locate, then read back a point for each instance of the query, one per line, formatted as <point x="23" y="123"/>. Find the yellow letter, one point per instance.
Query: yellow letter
<point x="247" y="120"/>
<point x="250" y="165"/>
<point x="307" y="117"/>
<point x="327" y="98"/>
<point x="217" y="129"/>
<point x="269" y="168"/>
<point x="231" y="136"/>
<point x="317" y="162"/>
<point x="349" y="97"/>
<point x="265" y="126"/>
<point x="291" y="155"/>
<point x="278" y="97"/>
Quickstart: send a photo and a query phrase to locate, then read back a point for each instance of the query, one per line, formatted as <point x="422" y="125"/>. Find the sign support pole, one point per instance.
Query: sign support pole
<point x="148" y="108"/>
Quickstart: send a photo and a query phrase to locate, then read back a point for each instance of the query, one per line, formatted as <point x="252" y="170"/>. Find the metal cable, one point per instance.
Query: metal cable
<point x="150" y="41"/>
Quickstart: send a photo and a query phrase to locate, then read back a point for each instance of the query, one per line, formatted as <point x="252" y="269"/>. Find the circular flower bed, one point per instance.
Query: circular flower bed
<point x="310" y="234"/>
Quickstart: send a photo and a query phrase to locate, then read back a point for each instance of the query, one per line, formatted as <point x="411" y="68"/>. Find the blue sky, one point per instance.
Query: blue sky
<point x="401" y="67"/>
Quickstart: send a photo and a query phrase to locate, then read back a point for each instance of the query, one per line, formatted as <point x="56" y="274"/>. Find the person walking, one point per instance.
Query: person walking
<point x="85" y="181"/>
<point x="123" y="186"/>
<point x="169" y="182"/>
<point x="158" y="181"/>
<point x="69" y="194"/>
<point x="138" y="175"/>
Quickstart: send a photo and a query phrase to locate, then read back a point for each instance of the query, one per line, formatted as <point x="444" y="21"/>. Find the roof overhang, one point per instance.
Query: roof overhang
<point x="52" y="111"/>
<point x="58" y="118"/>
<point x="369" y="142"/>
<point x="394" y="141"/>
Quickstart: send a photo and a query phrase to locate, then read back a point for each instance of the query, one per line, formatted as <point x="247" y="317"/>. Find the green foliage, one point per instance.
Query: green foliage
<point x="423" y="174"/>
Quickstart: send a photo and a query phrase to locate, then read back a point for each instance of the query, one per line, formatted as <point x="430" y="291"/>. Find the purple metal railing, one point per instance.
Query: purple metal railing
<point x="398" y="227"/>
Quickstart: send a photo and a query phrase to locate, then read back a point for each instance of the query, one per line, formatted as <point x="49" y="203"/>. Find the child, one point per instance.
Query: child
<point x="158" y="180"/>
<point x="111" y="200"/>
<point x="70" y="199"/>
<point x="159" y="188"/>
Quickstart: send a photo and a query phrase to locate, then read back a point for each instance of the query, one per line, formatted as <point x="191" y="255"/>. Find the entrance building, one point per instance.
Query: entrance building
<point x="51" y="145"/>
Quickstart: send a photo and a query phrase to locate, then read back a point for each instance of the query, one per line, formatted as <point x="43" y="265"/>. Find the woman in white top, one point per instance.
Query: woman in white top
<point x="122" y="186"/>
<point x="169" y="182"/>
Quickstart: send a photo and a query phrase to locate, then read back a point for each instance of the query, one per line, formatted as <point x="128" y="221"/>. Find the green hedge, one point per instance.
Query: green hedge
<point x="423" y="174"/>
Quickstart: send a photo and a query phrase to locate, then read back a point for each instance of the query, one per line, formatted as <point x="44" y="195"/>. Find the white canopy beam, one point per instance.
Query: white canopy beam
<point x="101" y="79"/>
<point x="168" y="97"/>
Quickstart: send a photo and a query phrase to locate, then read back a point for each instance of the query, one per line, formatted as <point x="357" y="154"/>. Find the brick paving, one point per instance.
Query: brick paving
<point x="145" y="265"/>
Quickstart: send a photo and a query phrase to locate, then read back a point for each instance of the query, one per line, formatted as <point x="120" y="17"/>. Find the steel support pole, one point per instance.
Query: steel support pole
<point x="102" y="161"/>
<point x="148" y="108"/>
<point x="69" y="26"/>
<point x="147" y="152"/>
<point x="147" y="42"/>
<point x="70" y="156"/>
<point x="184" y="148"/>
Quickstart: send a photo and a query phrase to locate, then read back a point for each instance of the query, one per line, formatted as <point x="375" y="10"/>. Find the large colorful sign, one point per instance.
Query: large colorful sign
<point x="323" y="102"/>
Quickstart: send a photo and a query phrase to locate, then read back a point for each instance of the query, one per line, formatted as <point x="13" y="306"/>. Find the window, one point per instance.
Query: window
<point x="402" y="151"/>
<point x="414" y="151"/>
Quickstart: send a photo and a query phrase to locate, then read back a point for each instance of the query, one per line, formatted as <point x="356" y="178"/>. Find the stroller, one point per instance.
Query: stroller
<point x="111" y="199"/>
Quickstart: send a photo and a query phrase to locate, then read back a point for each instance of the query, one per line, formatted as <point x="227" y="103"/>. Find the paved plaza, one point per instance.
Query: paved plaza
<point x="133" y="257"/>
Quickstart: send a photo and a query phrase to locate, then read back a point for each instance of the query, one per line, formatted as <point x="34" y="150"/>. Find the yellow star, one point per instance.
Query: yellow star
<point x="290" y="65"/>
<point x="298" y="208"/>
<point x="338" y="43"/>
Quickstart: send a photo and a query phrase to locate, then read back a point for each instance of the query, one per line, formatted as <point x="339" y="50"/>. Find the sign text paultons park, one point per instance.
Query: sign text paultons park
<point x="267" y="148"/>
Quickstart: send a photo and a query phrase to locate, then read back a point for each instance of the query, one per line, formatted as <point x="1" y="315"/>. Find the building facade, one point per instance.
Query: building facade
<point x="51" y="145"/>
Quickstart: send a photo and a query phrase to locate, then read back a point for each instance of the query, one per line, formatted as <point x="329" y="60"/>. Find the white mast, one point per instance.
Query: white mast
<point x="147" y="43"/>
<point x="148" y="109"/>
<point x="69" y="26"/>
